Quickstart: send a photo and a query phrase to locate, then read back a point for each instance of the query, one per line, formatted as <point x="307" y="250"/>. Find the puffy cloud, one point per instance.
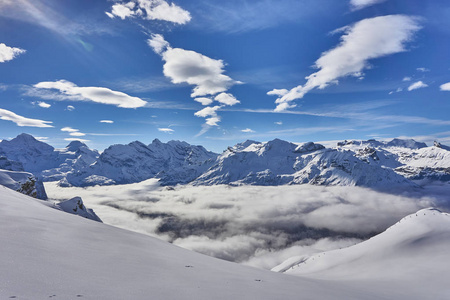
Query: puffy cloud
<point x="362" y="41"/>
<point x="213" y="121"/>
<point x="227" y="99"/>
<point x="257" y="225"/>
<point x="208" y="111"/>
<point x="9" y="53"/>
<point x="204" y="73"/>
<point x="417" y="85"/>
<point x="106" y="121"/>
<point x="70" y="91"/>
<point x="166" y="130"/>
<point x="150" y="10"/>
<point x="43" y="104"/>
<point x="158" y="43"/>
<point x="359" y="4"/>
<point x="22" y="121"/>
<point x="445" y="87"/>
<point x="247" y="130"/>
<point x="204" y="100"/>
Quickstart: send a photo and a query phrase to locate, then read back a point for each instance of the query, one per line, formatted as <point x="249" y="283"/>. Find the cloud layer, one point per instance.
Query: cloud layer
<point x="150" y="10"/>
<point x="70" y="91"/>
<point x="22" y="121"/>
<point x="256" y="225"/>
<point x="363" y="41"/>
<point x="9" y="53"/>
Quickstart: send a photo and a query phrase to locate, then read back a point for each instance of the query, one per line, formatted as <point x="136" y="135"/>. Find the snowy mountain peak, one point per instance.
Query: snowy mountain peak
<point x="26" y="141"/>
<point x="308" y="147"/>
<point x="75" y="146"/>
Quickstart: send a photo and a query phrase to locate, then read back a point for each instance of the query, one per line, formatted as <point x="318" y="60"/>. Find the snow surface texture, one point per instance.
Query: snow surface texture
<point x="352" y="163"/>
<point x="255" y="225"/>
<point x="46" y="254"/>
<point x="413" y="250"/>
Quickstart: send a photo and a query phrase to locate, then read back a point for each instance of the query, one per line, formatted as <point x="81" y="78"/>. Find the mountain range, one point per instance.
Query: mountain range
<point x="350" y="163"/>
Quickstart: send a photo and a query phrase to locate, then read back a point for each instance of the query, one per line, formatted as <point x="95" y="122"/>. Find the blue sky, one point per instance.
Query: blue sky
<point x="216" y="72"/>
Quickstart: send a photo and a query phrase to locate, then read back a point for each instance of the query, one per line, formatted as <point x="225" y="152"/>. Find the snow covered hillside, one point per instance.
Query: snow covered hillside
<point x="46" y="253"/>
<point x="413" y="253"/>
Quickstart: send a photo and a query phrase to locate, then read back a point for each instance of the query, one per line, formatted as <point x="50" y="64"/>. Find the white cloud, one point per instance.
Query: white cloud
<point x="227" y="99"/>
<point x="77" y="133"/>
<point x="445" y="87"/>
<point x="22" y="121"/>
<point x="43" y="104"/>
<point x="70" y="107"/>
<point x="204" y="100"/>
<point x="247" y="130"/>
<point x="204" y="73"/>
<point x="208" y="111"/>
<point x="166" y="130"/>
<point x="362" y="41"/>
<point x="150" y="10"/>
<point x="359" y="4"/>
<point x="278" y="92"/>
<point x="406" y="79"/>
<point x="417" y="85"/>
<point x="9" y="53"/>
<point x="279" y="123"/>
<point x="158" y="43"/>
<point x="69" y="129"/>
<point x="423" y="70"/>
<point x="70" y="91"/>
<point x="213" y="121"/>
<point x="106" y="121"/>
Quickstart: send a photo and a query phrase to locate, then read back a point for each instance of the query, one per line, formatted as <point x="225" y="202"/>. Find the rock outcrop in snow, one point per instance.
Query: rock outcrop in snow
<point x="76" y="206"/>
<point x="23" y="182"/>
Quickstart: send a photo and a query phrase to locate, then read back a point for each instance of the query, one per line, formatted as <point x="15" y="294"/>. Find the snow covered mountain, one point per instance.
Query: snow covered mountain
<point x="408" y="158"/>
<point x="173" y="162"/>
<point x="356" y="163"/>
<point x="279" y="162"/>
<point x="46" y="253"/>
<point x="414" y="249"/>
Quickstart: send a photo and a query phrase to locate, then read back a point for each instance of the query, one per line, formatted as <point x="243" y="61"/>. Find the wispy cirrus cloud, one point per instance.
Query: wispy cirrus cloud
<point x="23" y="121"/>
<point x="160" y="10"/>
<point x="9" y="53"/>
<point x="66" y="90"/>
<point x="361" y="42"/>
<point x="72" y="131"/>
<point x="107" y="121"/>
<point x="166" y="130"/>
<point x="360" y="4"/>
<point x="417" y="85"/>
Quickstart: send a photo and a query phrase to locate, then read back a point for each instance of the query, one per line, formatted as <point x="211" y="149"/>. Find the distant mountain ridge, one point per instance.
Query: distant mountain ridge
<point x="368" y="163"/>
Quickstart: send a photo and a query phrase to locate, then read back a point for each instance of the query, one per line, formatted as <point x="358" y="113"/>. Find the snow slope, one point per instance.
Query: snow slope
<point x="413" y="253"/>
<point x="46" y="253"/>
